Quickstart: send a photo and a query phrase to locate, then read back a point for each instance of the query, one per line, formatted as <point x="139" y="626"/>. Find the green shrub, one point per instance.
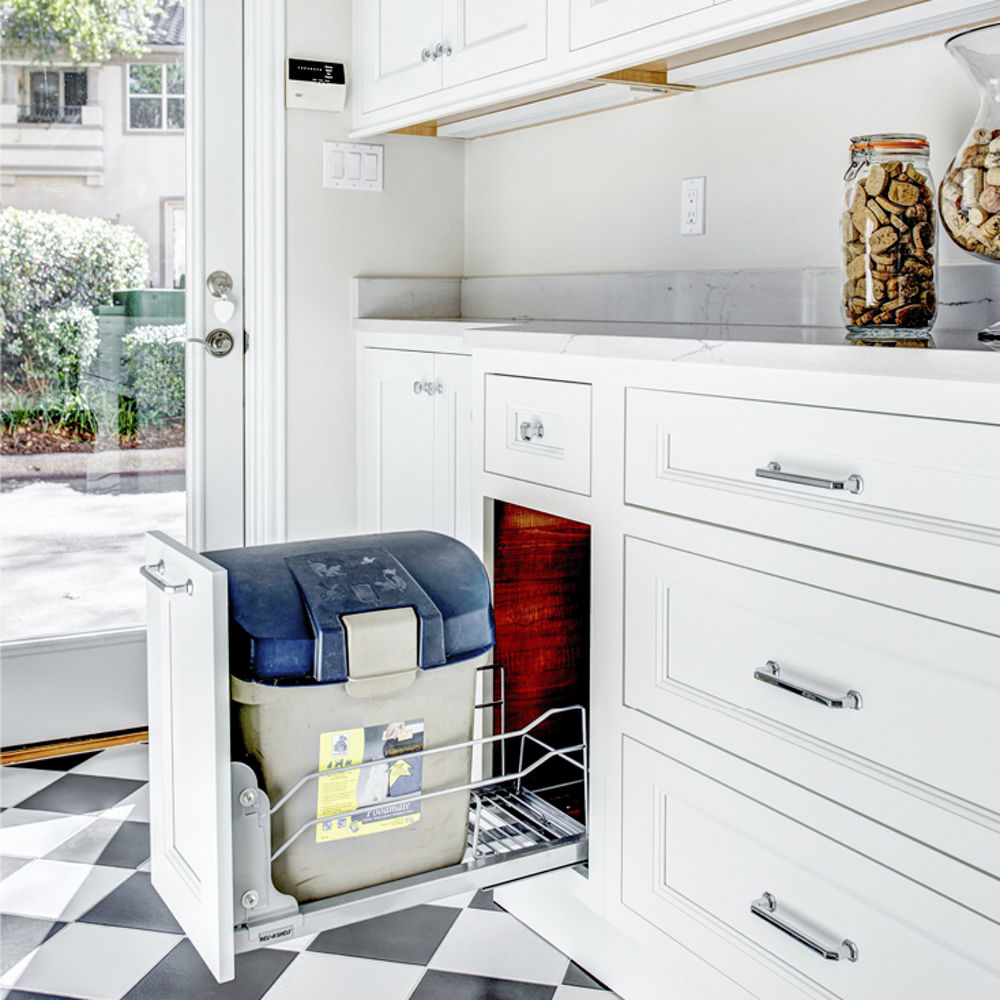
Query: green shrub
<point x="154" y="366"/>
<point x="58" y="345"/>
<point x="53" y="261"/>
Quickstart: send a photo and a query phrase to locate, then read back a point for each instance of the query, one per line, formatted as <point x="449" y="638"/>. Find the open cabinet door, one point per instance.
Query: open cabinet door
<point x="191" y="847"/>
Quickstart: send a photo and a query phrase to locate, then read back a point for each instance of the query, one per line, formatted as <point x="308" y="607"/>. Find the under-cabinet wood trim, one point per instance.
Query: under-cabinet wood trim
<point x="86" y="744"/>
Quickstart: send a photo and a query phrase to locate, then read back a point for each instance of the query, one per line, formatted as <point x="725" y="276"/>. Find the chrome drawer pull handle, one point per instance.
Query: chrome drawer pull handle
<point x="771" y="674"/>
<point x="765" y="909"/>
<point x="853" y="484"/>
<point x="154" y="575"/>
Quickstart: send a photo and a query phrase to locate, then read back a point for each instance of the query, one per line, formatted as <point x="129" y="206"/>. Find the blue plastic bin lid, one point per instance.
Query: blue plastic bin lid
<point x="286" y="601"/>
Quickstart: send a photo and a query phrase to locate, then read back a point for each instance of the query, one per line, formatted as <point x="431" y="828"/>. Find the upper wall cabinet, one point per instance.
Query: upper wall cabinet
<point x="411" y="48"/>
<point x="592" y="21"/>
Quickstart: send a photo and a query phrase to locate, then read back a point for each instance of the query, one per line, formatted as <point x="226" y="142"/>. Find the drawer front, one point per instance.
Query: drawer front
<point x="946" y="471"/>
<point x="696" y="850"/>
<point x="926" y="693"/>
<point x="539" y="430"/>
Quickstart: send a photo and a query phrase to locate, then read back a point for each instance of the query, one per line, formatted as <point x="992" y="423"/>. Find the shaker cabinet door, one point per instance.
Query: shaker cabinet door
<point x="190" y="824"/>
<point x="487" y="37"/>
<point x="453" y="446"/>
<point x="396" y="37"/>
<point x="396" y="460"/>
<point x="592" y="21"/>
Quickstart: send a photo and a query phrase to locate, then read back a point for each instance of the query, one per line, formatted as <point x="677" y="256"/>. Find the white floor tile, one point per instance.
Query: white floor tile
<point x="315" y="975"/>
<point x="130" y="761"/>
<point x="88" y="960"/>
<point x="32" y="833"/>
<point x="491" y="943"/>
<point x="59" y="890"/>
<point x="17" y="783"/>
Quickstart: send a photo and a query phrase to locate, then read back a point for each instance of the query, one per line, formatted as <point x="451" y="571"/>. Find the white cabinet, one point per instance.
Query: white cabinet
<point x="411" y="48"/>
<point x="415" y="442"/>
<point x="592" y="21"/>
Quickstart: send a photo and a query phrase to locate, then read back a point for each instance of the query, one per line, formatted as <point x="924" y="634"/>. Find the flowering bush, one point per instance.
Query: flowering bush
<point x="50" y="261"/>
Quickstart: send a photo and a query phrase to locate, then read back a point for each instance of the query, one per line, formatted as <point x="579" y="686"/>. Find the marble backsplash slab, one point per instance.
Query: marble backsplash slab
<point x="968" y="297"/>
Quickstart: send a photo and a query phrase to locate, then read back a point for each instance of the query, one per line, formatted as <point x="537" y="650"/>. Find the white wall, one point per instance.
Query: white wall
<point x="414" y="226"/>
<point x="602" y="192"/>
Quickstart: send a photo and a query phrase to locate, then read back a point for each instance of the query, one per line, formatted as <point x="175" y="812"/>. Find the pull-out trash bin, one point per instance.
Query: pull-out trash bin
<point x="358" y="650"/>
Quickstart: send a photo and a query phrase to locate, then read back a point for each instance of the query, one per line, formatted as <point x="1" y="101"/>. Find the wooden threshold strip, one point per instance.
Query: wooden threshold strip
<point x="84" y="744"/>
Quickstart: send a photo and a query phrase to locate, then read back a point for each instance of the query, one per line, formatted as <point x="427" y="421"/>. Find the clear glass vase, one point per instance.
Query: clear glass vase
<point x="970" y="191"/>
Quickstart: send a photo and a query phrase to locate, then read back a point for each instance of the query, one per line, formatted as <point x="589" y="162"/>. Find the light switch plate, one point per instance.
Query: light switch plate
<point x="353" y="165"/>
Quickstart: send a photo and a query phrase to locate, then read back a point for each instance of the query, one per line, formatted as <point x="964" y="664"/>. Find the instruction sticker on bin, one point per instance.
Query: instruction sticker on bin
<point x="368" y="792"/>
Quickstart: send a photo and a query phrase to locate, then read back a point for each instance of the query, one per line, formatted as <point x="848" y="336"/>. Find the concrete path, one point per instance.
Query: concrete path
<point x="70" y="549"/>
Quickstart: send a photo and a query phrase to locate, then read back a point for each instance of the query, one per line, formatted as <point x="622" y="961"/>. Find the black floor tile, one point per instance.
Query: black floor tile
<point x="129" y="847"/>
<point x="81" y="793"/>
<point x="182" y="975"/>
<point x="58" y="763"/>
<point x="483" y="900"/>
<point x="135" y="903"/>
<point x="21" y="935"/>
<point x="575" y="976"/>
<point x="455" y="986"/>
<point x="411" y="935"/>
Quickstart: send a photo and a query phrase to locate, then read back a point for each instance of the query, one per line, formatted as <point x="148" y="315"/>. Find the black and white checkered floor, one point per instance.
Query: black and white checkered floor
<point x="79" y="918"/>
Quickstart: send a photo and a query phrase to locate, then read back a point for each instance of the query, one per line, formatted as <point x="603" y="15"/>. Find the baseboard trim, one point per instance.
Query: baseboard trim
<point x="84" y="744"/>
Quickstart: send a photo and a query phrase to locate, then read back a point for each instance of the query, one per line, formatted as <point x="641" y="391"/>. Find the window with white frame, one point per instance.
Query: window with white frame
<point x="156" y="96"/>
<point x="54" y="96"/>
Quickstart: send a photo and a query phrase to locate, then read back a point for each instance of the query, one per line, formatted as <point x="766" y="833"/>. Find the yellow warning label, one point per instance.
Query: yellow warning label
<point x="358" y="800"/>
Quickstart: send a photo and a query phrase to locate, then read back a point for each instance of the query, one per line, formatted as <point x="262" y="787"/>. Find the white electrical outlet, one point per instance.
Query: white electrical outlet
<point x="693" y="206"/>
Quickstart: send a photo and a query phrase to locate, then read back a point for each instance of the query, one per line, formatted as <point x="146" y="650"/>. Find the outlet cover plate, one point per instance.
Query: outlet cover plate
<point x="693" y="206"/>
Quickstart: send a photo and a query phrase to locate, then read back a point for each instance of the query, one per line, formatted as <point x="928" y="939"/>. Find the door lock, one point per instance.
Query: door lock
<point x="218" y="343"/>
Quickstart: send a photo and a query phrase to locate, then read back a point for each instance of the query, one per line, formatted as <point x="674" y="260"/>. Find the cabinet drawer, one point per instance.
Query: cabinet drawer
<point x="698" y="851"/>
<point x="926" y="693"/>
<point x="926" y="470"/>
<point x="539" y="430"/>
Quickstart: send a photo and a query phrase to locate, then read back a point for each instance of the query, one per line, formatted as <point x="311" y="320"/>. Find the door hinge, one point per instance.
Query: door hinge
<point x="246" y="341"/>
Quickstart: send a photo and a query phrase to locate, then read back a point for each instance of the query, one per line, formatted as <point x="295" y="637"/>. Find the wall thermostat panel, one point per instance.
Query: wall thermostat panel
<point x="315" y="85"/>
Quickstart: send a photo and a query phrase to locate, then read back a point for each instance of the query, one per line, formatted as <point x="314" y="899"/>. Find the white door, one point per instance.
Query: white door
<point x="190" y="822"/>
<point x="453" y="447"/>
<point x="399" y="54"/>
<point x="74" y="654"/>
<point x="396" y="460"/>
<point x="486" y="37"/>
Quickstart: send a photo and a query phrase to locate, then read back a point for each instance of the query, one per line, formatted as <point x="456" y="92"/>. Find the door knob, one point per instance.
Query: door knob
<point x="218" y="343"/>
<point x="220" y="284"/>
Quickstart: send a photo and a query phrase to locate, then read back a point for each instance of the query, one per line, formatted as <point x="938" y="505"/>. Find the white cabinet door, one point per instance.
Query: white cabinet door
<point x="190" y="823"/>
<point x="396" y="462"/>
<point x="487" y="37"/>
<point x="453" y="446"/>
<point x="415" y="442"/>
<point x="396" y="39"/>
<point x="592" y="21"/>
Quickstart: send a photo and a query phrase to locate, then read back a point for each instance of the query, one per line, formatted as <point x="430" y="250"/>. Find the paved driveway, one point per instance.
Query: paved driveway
<point x="70" y="549"/>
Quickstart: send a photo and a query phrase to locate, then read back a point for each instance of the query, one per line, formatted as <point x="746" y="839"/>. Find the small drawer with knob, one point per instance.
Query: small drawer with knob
<point x="793" y="911"/>
<point x="538" y="430"/>
<point x="883" y="690"/>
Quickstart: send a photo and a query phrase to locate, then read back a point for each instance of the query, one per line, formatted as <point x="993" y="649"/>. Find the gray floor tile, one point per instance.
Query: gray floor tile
<point x="575" y="976"/>
<point x="483" y="900"/>
<point x="135" y="903"/>
<point x="21" y="935"/>
<point x="10" y="865"/>
<point x="455" y="986"/>
<point x="182" y="975"/>
<point x="411" y="935"/>
<point x="81" y="793"/>
<point x="59" y="763"/>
